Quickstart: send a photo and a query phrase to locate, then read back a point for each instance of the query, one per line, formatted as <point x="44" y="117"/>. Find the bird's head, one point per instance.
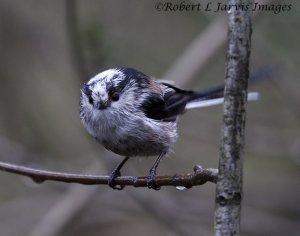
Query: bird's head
<point x="114" y="90"/>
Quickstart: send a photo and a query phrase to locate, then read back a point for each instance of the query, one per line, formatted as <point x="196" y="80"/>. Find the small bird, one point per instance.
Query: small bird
<point x="132" y="114"/>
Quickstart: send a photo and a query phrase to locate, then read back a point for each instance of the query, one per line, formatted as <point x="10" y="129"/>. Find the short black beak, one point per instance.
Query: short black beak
<point x="102" y="105"/>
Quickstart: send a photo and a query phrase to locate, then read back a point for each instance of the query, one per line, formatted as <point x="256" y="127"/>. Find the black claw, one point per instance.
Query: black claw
<point x="151" y="183"/>
<point x="112" y="181"/>
<point x="116" y="173"/>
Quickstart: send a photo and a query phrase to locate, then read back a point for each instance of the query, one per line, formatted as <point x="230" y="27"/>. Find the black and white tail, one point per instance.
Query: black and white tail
<point x="252" y="96"/>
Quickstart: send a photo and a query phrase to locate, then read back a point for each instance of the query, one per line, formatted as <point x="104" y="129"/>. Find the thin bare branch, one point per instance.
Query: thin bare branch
<point x="199" y="177"/>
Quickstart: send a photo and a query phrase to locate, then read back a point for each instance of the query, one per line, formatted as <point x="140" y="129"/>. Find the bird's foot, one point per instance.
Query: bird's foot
<point x="151" y="182"/>
<point x="112" y="182"/>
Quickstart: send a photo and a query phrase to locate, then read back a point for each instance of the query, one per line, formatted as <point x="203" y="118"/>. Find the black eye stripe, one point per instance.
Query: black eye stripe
<point x="86" y="90"/>
<point x="112" y="89"/>
<point x="90" y="99"/>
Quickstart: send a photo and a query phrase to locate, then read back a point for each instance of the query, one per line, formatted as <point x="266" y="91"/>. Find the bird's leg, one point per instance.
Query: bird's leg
<point x="152" y="173"/>
<point x="116" y="173"/>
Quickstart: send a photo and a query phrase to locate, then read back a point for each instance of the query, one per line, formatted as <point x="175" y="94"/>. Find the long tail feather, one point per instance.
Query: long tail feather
<point x="252" y="96"/>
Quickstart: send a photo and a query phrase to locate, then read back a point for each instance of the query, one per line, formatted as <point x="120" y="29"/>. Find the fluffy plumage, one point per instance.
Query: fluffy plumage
<point x="132" y="114"/>
<point x="132" y="125"/>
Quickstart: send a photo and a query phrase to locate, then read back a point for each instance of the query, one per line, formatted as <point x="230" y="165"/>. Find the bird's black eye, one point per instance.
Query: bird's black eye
<point x="115" y="96"/>
<point x="90" y="99"/>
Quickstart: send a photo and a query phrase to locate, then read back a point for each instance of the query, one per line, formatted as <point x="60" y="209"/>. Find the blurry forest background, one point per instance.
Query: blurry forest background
<point x="49" y="48"/>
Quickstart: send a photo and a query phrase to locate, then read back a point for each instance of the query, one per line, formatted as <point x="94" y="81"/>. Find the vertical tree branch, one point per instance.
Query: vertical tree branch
<point x="230" y="179"/>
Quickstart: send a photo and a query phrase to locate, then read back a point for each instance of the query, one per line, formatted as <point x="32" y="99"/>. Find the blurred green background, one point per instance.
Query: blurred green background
<point x="49" y="48"/>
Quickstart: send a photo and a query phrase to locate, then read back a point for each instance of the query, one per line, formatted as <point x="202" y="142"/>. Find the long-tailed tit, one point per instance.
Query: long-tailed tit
<point x="133" y="115"/>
